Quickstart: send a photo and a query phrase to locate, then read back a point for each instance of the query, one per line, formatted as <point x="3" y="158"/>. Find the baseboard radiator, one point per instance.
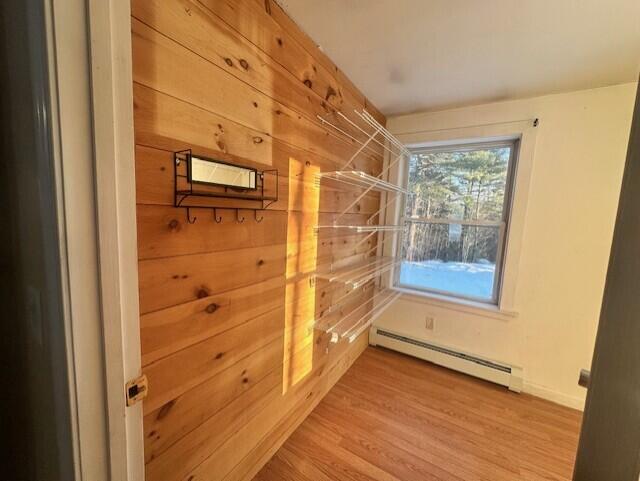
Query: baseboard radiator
<point x="503" y="374"/>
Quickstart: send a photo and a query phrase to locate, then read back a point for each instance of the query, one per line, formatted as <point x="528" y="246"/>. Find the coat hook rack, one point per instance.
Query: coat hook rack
<point x="257" y="191"/>
<point x="191" y="220"/>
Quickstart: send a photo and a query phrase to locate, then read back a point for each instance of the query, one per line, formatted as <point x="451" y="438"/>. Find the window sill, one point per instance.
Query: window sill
<point x="456" y="304"/>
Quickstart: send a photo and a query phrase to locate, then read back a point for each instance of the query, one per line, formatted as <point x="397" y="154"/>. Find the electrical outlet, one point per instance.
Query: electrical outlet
<point x="429" y="323"/>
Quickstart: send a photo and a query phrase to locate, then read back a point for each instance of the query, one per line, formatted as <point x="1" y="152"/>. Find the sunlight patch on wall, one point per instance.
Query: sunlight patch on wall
<point x="300" y="298"/>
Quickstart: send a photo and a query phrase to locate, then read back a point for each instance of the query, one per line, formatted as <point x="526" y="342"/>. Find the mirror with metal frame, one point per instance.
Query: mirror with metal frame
<point x="212" y="172"/>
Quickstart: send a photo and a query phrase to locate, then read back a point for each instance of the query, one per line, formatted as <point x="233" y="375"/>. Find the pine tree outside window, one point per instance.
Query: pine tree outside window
<point x="456" y="221"/>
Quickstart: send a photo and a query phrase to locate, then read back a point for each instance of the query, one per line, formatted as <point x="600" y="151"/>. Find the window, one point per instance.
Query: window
<point x="456" y="220"/>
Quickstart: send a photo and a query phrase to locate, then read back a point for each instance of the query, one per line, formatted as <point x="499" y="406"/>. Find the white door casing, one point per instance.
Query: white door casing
<point x="89" y="44"/>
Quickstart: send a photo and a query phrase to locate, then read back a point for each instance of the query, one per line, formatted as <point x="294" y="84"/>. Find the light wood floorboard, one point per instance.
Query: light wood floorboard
<point x="395" y="418"/>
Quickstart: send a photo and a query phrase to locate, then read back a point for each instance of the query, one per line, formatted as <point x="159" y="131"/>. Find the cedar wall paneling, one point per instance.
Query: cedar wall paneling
<point x="232" y="366"/>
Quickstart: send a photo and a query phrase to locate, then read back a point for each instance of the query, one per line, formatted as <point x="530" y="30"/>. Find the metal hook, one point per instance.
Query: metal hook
<point x="238" y="219"/>
<point x="255" y="216"/>
<point x="189" y="219"/>
<point x="215" y="216"/>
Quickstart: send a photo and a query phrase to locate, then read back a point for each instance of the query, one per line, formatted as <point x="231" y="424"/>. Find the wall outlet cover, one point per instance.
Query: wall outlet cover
<point x="429" y="323"/>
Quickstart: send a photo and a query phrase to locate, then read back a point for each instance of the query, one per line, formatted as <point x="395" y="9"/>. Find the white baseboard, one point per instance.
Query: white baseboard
<point x="482" y="368"/>
<point x="513" y="380"/>
<point x="542" y="392"/>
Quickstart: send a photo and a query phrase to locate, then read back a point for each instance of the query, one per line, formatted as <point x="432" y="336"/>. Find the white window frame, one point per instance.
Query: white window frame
<point x="523" y="130"/>
<point x="502" y="225"/>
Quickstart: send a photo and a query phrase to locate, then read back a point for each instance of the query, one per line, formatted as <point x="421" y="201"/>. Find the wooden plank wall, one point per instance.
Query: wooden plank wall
<point x="232" y="365"/>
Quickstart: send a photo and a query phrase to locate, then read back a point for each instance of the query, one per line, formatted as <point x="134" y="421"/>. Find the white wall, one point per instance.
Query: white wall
<point x="577" y="166"/>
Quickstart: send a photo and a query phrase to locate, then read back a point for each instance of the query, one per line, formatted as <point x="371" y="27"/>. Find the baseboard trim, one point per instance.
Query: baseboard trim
<point x="490" y="370"/>
<point x="513" y="380"/>
<point x="547" y="394"/>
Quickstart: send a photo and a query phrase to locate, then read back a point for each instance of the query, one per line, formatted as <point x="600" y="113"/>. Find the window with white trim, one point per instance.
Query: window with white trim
<point x="456" y="220"/>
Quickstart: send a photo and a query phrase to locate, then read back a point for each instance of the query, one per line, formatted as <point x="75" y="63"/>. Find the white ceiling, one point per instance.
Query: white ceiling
<point x="410" y="55"/>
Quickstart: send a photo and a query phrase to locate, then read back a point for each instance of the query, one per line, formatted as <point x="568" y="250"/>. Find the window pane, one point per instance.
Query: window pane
<point x="462" y="185"/>
<point x="450" y="258"/>
<point x="452" y="241"/>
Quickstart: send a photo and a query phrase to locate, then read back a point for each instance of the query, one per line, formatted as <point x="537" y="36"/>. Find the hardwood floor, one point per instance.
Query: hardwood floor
<point x="395" y="418"/>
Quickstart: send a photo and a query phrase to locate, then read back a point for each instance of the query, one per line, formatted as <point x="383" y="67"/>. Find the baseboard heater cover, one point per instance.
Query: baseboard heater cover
<point x="503" y="374"/>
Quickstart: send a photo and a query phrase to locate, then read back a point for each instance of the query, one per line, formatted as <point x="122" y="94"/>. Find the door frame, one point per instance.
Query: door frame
<point x="89" y="44"/>
<point x="114" y="151"/>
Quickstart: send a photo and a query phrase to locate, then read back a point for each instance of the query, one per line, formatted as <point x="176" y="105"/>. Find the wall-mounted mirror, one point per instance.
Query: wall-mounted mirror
<point x="213" y="172"/>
